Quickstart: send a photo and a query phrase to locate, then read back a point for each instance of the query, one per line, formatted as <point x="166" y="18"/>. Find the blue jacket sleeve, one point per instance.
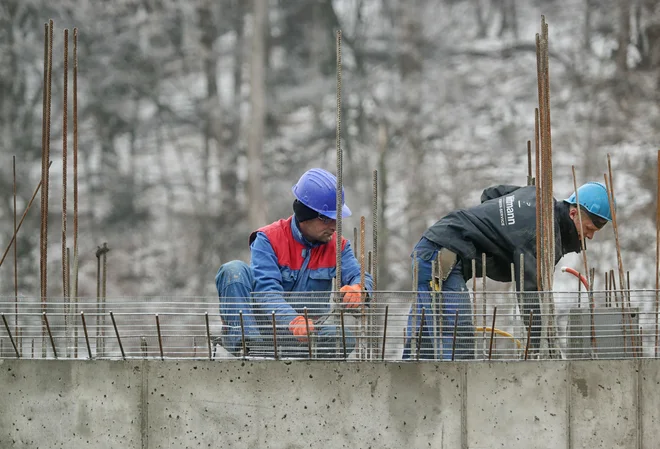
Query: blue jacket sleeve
<point x="350" y="269"/>
<point x="268" y="291"/>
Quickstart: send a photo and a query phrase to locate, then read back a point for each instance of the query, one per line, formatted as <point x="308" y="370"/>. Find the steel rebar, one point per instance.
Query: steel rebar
<point x="89" y="348"/>
<point x="343" y="331"/>
<point x="529" y="333"/>
<point x="275" y="336"/>
<point x="4" y="320"/>
<point x="382" y="349"/>
<point x="657" y="258"/>
<point x="309" y="340"/>
<point x="421" y="331"/>
<point x="160" y="338"/>
<point x="240" y="316"/>
<point x="339" y="188"/>
<point x="453" y="341"/>
<point x="65" y="118"/>
<point x="50" y="334"/>
<point x="492" y="334"/>
<point x="75" y="168"/>
<point x="208" y="335"/>
<point x="121" y="347"/>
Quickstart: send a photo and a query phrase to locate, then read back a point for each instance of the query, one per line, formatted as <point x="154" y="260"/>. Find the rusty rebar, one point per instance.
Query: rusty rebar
<point x="530" y="178"/>
<point x="339" y="188"/>
<point x="421" y="332"/>
<point x="382" y="349"/>
<point x="160" y="338"/>
<point x="208" y="335"/>
<point x="363" y="295"/>
<point x="20" y="223"/>
<point x="483" y="299"/>
<point x="50" y="334"/>
<point x="45" y="189"/>
<point x="15" y="254"/>
<point x="275" y="336"/>
<point x="114" y="324"/>
<point x="4" y="320"/>
<point x="89" y="348"/>
<point x="657" y="258"/>
<point x="240" y="316"/>
<point x="374" y="216"/>
<point x="309" y="340"/>
<point x="75" y="164"/>
<point x="453" y="340"/>
<point x="343" y="332"/>
<point x="529" y="333"/>
<point x="492" y="334"/>
<point x="65" y="118"/>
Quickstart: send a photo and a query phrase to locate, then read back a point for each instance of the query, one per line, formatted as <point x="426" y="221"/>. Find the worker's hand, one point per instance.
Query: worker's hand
<point x="352" y="295"/>
<point x="299" y="329"/>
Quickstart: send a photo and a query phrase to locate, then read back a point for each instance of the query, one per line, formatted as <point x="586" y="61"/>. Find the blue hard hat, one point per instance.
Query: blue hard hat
<point x="317" y="189"/>
<point x="594" y="198"/>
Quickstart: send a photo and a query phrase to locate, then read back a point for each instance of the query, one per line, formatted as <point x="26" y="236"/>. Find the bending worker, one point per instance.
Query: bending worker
<point x="292" y="264"/>
<point x="502" y="227"/>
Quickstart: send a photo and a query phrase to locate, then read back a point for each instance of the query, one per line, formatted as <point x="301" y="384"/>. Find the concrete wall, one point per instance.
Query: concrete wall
<point x="267" y="404"/>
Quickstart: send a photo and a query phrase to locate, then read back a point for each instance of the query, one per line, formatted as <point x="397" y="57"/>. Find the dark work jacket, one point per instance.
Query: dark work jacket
<point x="503" y="227"/>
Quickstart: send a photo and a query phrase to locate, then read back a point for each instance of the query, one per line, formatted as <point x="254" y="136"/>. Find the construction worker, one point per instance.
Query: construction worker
<point x="292" y="264"/>
<point x="502" y="227"/>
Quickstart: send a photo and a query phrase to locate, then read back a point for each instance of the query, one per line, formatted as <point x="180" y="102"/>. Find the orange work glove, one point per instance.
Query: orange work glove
<point x="352" y="295"/>
<point x="298" y="328"/>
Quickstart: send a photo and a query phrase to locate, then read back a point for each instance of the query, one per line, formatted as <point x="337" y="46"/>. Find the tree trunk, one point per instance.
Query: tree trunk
<point x="256" y="204"/>
<point x="623" y="38"/>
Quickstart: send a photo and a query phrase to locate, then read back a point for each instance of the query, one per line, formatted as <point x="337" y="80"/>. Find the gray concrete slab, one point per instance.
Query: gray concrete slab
<point x="304" y="404"/>
<point x="603" y="398"/>
<point x="516" y="405"/>
<point x="70" y="404"/>
<point x="649" y="402"/>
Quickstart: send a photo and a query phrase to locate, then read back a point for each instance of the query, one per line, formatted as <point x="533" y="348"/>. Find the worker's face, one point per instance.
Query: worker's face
<point x="319" y="229"/>
<point x="588" y="226"/>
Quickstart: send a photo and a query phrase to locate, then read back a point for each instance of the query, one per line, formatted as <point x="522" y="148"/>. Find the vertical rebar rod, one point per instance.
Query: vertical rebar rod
<point x="275" y="336"/>
<point x="529" y="333"/>
<point x="4" y="320"/>
<point x="67" y="303"/>
<point x="121" y="346"/>
<point x="75" y="166"/>
<point x="539" y="210"/>
<point x="65" y="110"/>
<point x="208" y="335"/>
<point x="607" y="290"/>
<point x="474" y="315"/>
<point x="89" y="348"/>
<point x="483" y="299"/>
<point x="15" y="256"/>
<point x="339" y="189"/>
<point x="363" y="294"/>
<point x="240" y="316"/>
<point x="453" y="340"/>
<point x="45" y="178"/>
<point x="421" y="332"/>
<point x="530" y="178"/>
<point x="382" y="348"/>
<point x="50" y="334"/>
<point x="374" y="230"/>
<point x="104" y="292"/>
<point x="343" y="332"/>
<point x="436" y="271"/>
<point x="309" y="339"/>
<point x="492" y="334"/>
<point x="414" y="327"/>
<point x="44" y="162"/>
<point x="160" y="338"/>
<point x="657" y="259"/>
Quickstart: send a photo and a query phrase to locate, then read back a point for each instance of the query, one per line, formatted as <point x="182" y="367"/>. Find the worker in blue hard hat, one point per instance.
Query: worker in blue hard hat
<point x="292" y="264"/>
<point x="502" y="228"/>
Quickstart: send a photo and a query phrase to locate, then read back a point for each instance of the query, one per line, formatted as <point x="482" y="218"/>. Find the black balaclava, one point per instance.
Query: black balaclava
<point x="303" y="213"/>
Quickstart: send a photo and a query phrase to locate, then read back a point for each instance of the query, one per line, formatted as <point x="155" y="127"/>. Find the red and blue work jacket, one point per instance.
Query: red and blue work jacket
<point x="291" y="274"/>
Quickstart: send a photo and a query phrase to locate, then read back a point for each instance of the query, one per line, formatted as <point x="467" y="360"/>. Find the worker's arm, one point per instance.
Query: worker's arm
<point x="497" y="191"/>
<point x="350" y="269"/>
<point x="268" y="291"/>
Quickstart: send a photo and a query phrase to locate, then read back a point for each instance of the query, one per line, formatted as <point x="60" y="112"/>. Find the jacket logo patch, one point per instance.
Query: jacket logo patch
<point x="507" y="213"/>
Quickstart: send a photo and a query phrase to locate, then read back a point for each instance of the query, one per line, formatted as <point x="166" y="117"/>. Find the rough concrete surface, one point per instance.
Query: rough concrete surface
<point x="148" y="404"/>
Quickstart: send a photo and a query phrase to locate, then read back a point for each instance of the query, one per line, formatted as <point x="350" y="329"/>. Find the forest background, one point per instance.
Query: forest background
<point x="196" y="118"/>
